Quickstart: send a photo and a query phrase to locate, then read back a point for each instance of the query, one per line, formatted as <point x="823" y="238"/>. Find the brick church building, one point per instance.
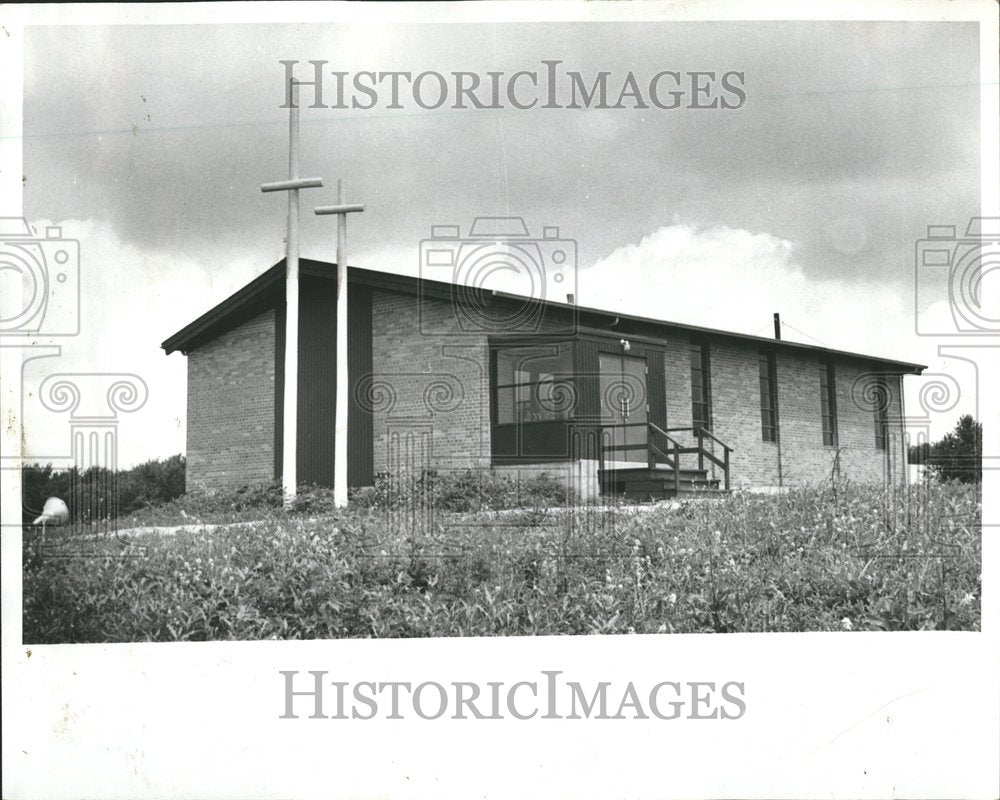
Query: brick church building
<point x="446" y="377"/>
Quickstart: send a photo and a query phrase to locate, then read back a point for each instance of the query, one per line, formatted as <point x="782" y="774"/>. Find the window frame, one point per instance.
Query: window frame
<point x="828" y="403"/>
<point x="562" y="348"/>
<point x="773" y="428"/>
<point x="705" y="369"/>
<point x="882" y="415"/>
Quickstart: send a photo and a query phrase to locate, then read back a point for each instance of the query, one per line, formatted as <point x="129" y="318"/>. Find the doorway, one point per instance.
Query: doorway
<point x="624" y="406"/>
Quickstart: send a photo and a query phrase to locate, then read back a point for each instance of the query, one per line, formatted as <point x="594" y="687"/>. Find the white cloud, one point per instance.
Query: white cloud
<point x="718" y="277"/>
<point x="131" y="300"/>
<point x="736" y="279"/>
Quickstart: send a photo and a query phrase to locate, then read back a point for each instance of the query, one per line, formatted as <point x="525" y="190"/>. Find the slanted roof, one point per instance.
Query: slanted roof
<point x="267" y="289"/>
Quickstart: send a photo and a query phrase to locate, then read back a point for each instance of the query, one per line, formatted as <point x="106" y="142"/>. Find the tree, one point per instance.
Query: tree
<point x="956" y="457"/>
<point x="144" y="485"/>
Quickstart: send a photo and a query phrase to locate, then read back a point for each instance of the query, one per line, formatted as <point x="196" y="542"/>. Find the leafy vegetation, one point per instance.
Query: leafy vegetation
<point x="391" y="566"/>
<point x="956" y="457"/>
<point x="152" y="483"/>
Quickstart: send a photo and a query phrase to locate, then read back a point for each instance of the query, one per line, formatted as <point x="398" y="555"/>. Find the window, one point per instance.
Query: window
<point x="881" y="398"/>
<point x="701" y="387"/>
<point x="828" y="403"/>
<point x="534" y="383"/>
<point x="768" y="398"/>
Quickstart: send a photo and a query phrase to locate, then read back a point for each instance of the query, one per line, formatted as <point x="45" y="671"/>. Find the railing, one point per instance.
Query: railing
<point x="662" y="448"/>
<point x="701" y="434"/>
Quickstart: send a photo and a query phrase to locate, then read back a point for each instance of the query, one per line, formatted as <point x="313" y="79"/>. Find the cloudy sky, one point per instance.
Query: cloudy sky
<point x="148" y="144"/>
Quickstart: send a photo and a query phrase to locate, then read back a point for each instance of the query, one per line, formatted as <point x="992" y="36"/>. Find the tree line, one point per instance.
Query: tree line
<point x="109" y="495"/>
<point x="957" y="456"/>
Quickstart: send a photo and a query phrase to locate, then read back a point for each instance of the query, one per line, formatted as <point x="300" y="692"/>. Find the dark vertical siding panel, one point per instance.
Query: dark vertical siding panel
<point x="360" y="431"/>
<point x="279" y="385"/>
<point x="318" y="384"/>
<point x="656" y="387"/>
<point x="588" y="384"/>
<point x="317" y="379"/>
<point x="586" y="431"/>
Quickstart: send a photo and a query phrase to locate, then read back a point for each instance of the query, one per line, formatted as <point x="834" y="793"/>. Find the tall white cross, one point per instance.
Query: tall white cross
<point x="291" y="372"/>
<point x="342" y="209"/>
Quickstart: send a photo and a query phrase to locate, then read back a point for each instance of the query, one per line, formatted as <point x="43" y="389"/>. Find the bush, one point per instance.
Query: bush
<point x="797" y="561"/>
<point x="466" y="491"/>
<point x="250" y="502"/>
<point x="153" y="493"/>
<point x="151" y="483"/>
<point x="110" y="495"/>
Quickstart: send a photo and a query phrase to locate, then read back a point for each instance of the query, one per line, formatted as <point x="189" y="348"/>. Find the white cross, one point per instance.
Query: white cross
<point x="342" y="209"/>
<point x="291" y="372"/>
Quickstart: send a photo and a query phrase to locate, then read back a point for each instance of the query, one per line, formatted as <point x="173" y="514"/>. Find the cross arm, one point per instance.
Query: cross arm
<point x="297" y="183"/>
<point x="346" y="208"/>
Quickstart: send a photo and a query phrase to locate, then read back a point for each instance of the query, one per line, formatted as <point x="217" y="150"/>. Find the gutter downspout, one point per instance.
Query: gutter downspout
<point x="777" y="420"/>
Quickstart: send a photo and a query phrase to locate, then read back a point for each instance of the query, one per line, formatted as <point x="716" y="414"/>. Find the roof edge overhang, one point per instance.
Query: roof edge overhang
<point x="267" y="290"/>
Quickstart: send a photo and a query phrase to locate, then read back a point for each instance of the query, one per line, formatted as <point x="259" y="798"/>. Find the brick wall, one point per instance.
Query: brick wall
<point x="677" y="379"/>
<point x="859" y="458"/>
<point x="230" y="416"/>
<point x="434" y="403"/>
<point x="800" y="456"/>
<point x="431" y="404"/>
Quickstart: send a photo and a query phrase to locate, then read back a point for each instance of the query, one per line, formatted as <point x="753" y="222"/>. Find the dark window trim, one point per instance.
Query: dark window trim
<point x="508" y="343"/>
<point x="706" y="383"/>
<point x="523" y="383"/>
<point x="774" y="427"/>
<point x="828" y="393"/>
<point x="882" y="415"/>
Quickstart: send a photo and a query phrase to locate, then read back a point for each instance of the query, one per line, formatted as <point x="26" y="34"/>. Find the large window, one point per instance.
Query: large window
<point x="534" y="383"/>
<point x="828" y="403"/>
<point x="768" y="397"/>
<point x="701" y="387"/>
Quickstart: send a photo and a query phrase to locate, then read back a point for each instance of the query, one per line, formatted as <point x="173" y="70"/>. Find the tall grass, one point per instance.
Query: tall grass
<point x="806" y="559"/>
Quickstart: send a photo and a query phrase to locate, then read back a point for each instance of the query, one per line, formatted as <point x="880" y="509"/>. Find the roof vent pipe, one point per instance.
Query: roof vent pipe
<point x="777" y="325"/>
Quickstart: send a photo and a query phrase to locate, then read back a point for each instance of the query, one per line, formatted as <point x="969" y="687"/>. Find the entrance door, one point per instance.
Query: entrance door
<point x="624" y="406"/>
